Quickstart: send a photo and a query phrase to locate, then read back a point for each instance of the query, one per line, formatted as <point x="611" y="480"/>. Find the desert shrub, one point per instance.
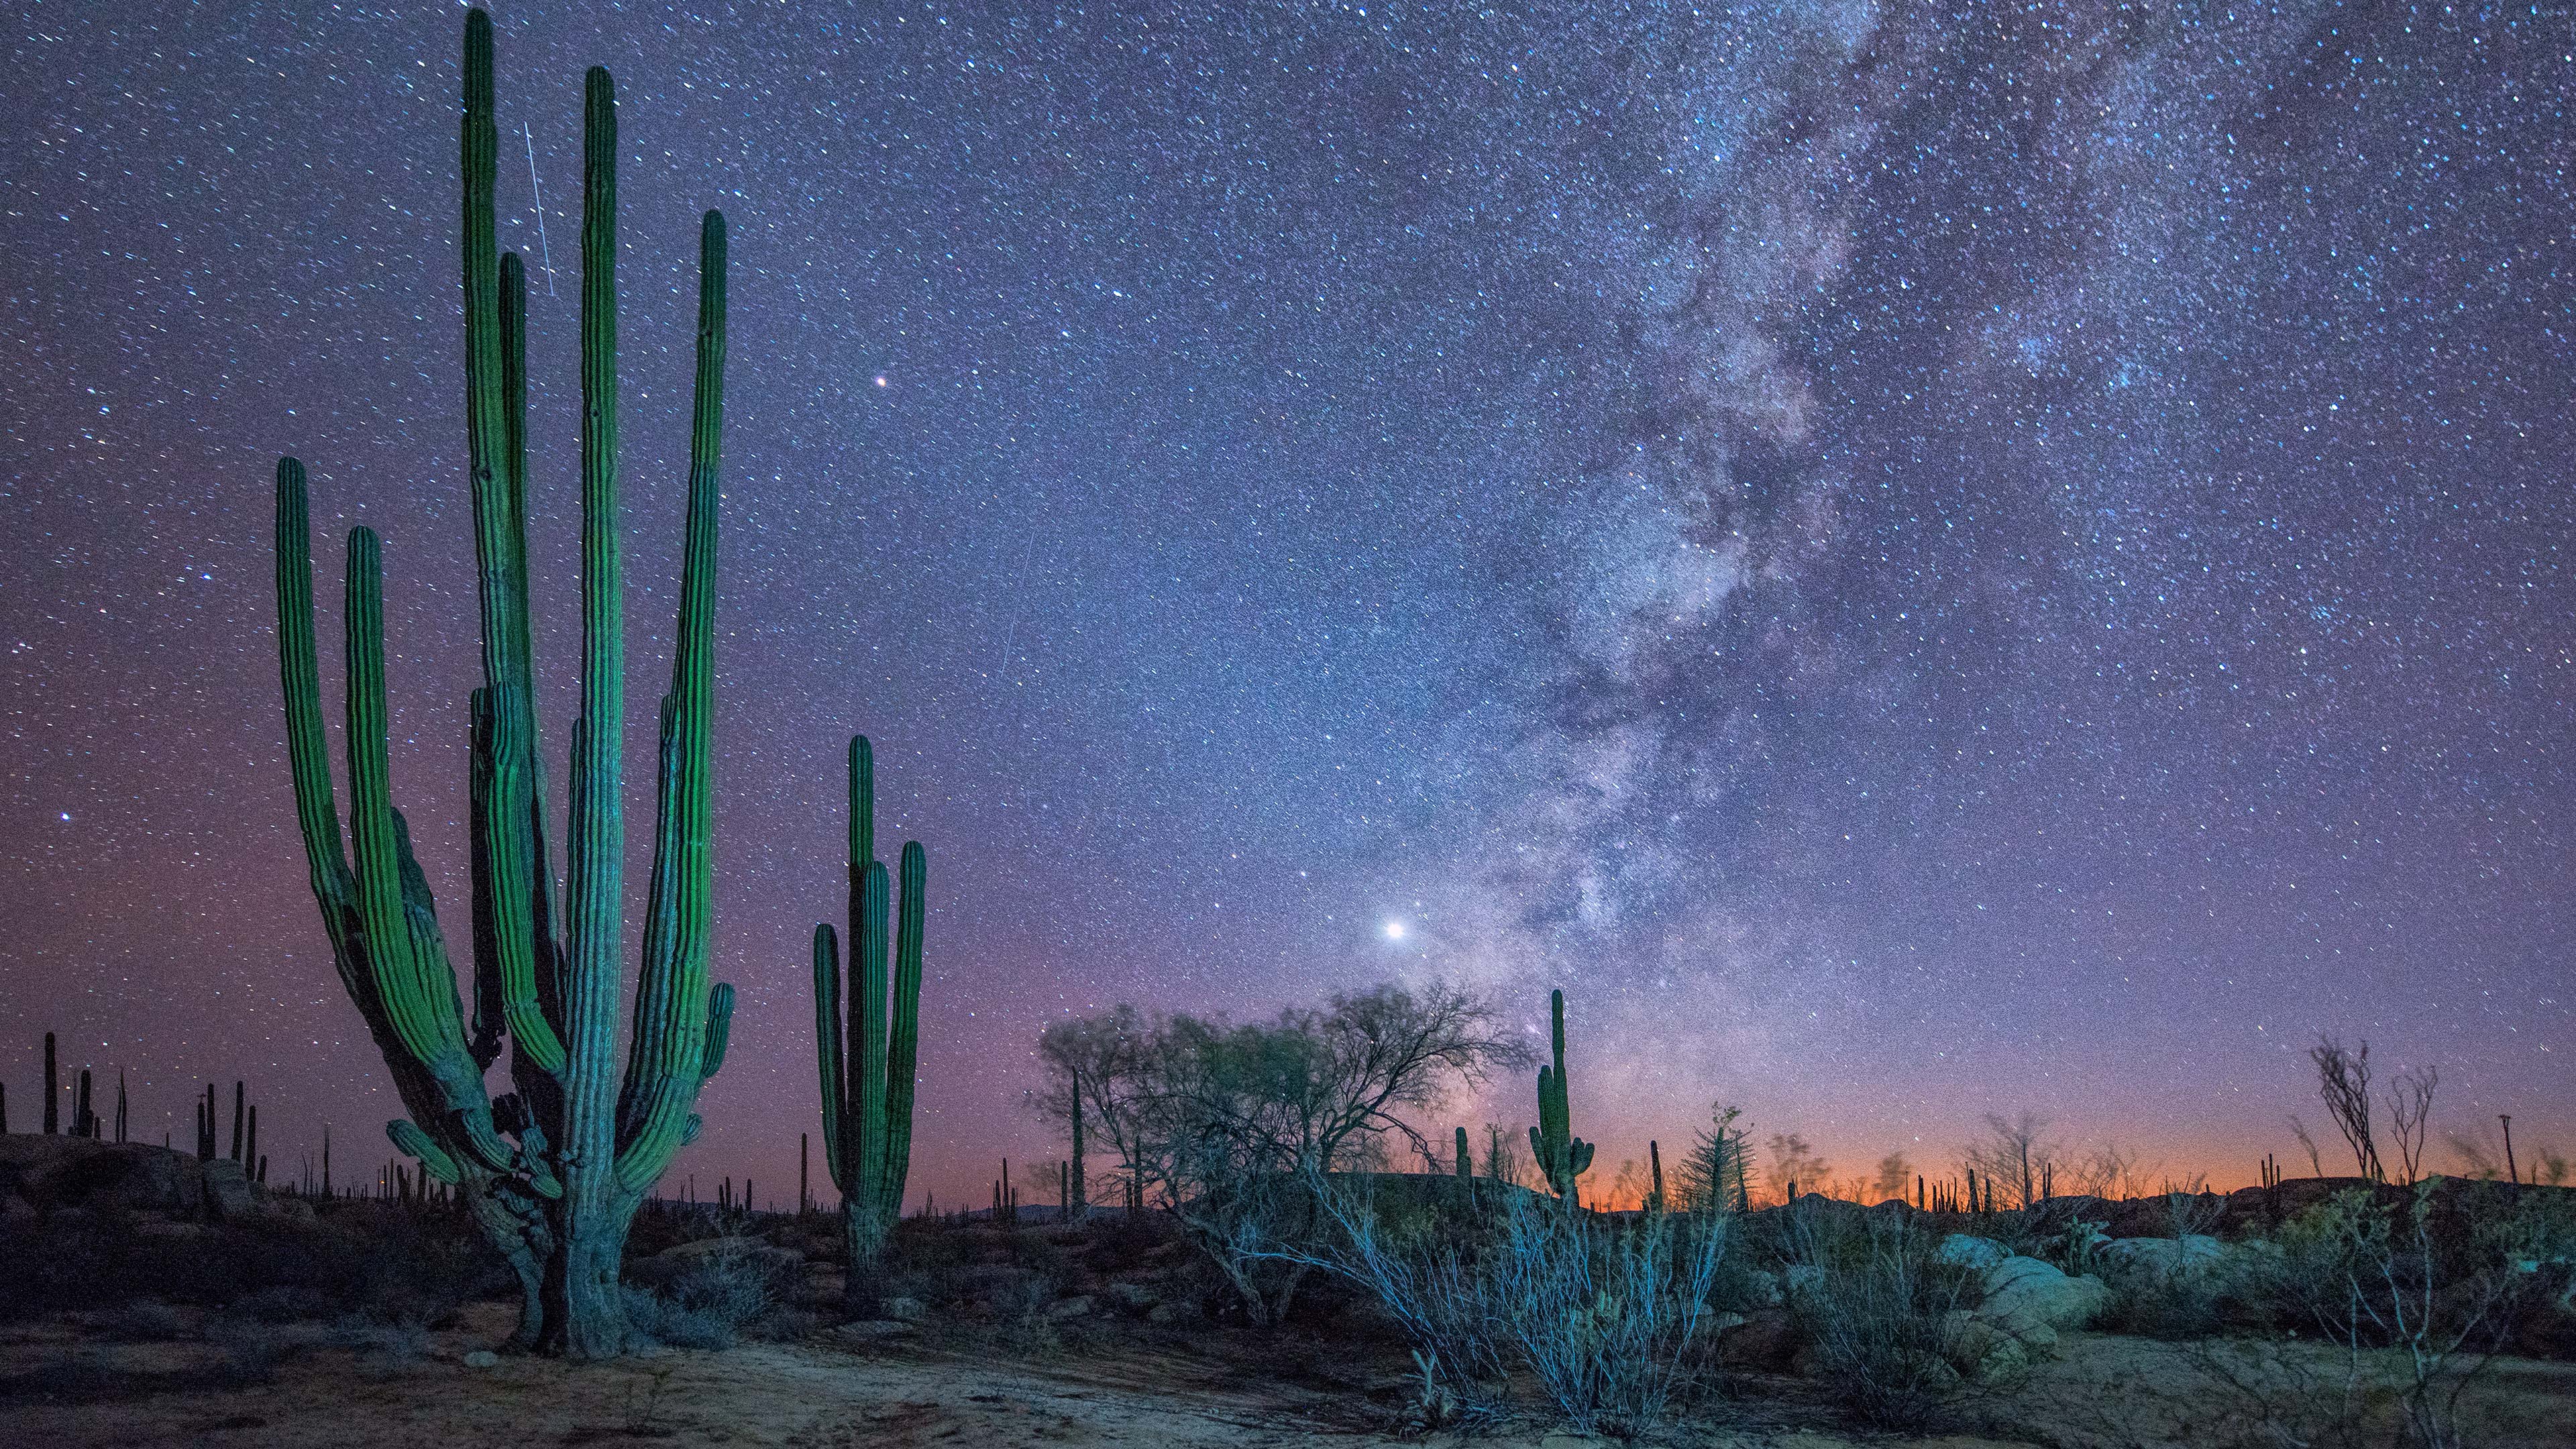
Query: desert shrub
<point x="1882" y="1308"/>
<point x="1603" y="1312"/>
<point x="1220" y="1120"/>
<point x="383" y="1345"/>
<point x="2435" y="1288"/>
<point x="2170" y="1300"/>
<point x="710" y="1302"/>
<point x="1122" y="1242"/>
<point x="1606" y="1312"/>
<point x="1038" y="1254"/>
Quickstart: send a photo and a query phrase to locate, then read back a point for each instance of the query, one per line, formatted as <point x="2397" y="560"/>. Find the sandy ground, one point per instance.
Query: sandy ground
<point x="2114" y="1393"/>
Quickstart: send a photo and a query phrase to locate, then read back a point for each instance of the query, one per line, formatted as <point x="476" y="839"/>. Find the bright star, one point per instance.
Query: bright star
<point x="1395" y="930"/>
<point x="881" y="379"/>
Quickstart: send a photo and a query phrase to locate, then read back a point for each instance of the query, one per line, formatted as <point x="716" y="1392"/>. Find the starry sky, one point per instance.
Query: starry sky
<point x="1917" y="560"/>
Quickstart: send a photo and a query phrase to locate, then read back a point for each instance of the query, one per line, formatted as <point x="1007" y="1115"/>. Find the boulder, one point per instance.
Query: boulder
<point x="903" y="1310"/>
<point x="1766" y="1341"/>
<point x="1971" y="1252"/>
<point x="49" y="1173"/>
<point x="228" y="1190"/>
<point x="1076" y="1307"/>
<point x="2194" y="1254"/>
<point x="1982" y="1353"/>
<point x="2027" y="1295"/>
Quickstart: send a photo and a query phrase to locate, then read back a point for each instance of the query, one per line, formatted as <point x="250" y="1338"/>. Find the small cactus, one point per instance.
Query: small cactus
<point x="1562" y="1157"/>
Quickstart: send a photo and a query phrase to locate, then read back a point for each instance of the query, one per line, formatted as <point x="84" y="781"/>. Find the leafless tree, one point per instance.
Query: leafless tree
<point x="2410" y="1112"/>
<point x="2316" y="1160"/>
<point x="1794" y="1163"/>
<point x="2017" y="1158"/>
<point x="1895" y="1178"/>
<point x="1223" y="1119"/>
<point x="2343" y="1080"/>
<point x="1101" y="1060"/>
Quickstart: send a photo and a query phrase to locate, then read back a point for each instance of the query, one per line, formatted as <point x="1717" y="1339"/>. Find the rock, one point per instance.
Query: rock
<point x="1972" y="1252"/>
<point x="228" y="1193"/>
<point x="903" y="1310"/>
<point x="2194" y="1254"/>
<point x="82" y="1172"/>
<point x="1562" y="1440"/>
<point x="1798" y="1280"/>
<point x="2026" y="1295"/>
<point x="1983" y="1353"/>
<point x="161" y="1229"/>
<point x="1764" y="1341"/>
<point x="1133" y="1297"/>
<point x="1163" y="1313"/>
<point x="1076" y="1307"/>
<point x="482" y="1358"/>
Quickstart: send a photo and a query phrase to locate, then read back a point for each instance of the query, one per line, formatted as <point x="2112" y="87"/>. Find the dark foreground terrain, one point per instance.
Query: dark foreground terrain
<point x="149" y="1300"/>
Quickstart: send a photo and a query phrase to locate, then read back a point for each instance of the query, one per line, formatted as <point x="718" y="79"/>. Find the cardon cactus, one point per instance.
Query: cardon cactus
<point x="1562" y="1156"/>
<point x="553" y="1172"/>
<point x="866" y="1068"/>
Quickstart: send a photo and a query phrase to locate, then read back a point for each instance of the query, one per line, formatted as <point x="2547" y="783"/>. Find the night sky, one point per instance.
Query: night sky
<point x="1918" y="562"/>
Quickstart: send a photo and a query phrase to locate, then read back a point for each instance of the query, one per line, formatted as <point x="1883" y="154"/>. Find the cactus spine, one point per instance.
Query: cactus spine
<point x="553" y="1172"/>
<point x="1562" y="1156"/>
<point x="866" y="1070"/>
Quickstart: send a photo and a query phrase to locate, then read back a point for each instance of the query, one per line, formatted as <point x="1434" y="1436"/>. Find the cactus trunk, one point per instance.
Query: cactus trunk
<point x="553" y="1172"/>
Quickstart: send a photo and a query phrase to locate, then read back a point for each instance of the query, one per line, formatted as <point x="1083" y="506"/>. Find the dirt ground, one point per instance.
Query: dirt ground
<point x="70" y="1388"/>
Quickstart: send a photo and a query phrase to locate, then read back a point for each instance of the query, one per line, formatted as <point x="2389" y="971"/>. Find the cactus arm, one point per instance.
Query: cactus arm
<point x="594" y="1125"/>
<point x="409" y="1140"/>
<point x="511" y="740"/>
<point x="598" y="826"/>
<point x="863" y="812"/>
<point x="377" y="873"/>
<point x="827" y="1050"/>
<point x="868" y="1027"/>
<point x="549" y="962"/>
<point x="663" y="1068"/>
<point x="719" y="1030"/>
<point x="299" y="678"/>
<point x="903" y="1033"/>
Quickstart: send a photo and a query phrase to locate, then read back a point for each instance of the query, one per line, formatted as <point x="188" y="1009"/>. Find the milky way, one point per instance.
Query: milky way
<point x="1918" y="563"/>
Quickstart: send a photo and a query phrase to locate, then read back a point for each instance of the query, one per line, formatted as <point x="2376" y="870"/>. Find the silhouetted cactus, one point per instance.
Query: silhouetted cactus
<point x="552" y="1173"/>
<point x="866" y="1065"/>
<point x="1562" y="1156"/>
<point x="53" y="1091"/>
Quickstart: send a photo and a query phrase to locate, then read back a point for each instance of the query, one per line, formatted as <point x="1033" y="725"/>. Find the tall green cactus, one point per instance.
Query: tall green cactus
<point x="1562" y="1156"/>
<point x="866" y="1070"/>
<point x="554" y="1171"/>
